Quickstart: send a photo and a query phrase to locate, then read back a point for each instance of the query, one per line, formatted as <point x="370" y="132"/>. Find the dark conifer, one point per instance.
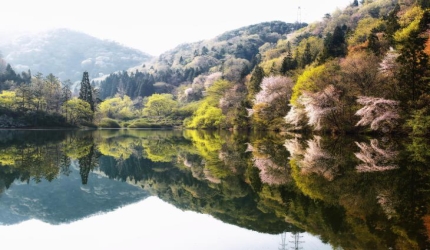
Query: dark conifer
<point x="86" y="91"/>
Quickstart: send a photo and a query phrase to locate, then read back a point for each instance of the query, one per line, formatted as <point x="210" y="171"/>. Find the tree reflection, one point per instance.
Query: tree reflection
<point x="337" y="188"/>
<point x="375" y="158"/>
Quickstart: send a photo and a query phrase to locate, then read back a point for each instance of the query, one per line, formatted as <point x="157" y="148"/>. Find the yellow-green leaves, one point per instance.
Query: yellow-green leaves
<point x="409" y="23"/>
<point x="117" y="108"/>
<point x="363" y="30"/>
<point x="306" y="82"/>
<point x="160" y="104"/>
<point x="7" y="98"/>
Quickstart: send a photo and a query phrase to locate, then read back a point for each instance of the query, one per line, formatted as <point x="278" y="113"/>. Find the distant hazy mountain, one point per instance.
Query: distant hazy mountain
<point x="66" y="54"/>
<point x="49" y="202"/>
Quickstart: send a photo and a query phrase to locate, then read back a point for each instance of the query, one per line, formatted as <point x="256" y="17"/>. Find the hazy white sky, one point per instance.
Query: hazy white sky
<point x="148" y="224"/>
<point x="158" y="25"/>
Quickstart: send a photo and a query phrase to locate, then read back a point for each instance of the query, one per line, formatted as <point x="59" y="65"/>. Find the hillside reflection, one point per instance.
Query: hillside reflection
<point x="354" y="193"/>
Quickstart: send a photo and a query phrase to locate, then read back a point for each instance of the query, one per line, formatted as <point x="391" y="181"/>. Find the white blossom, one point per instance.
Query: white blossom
<point x="274" y="88"/>
<point x="295" y="116"/>
<point x="389" y="64"/>
<point x="321" y="104"/>
<point x="378" y="113"/>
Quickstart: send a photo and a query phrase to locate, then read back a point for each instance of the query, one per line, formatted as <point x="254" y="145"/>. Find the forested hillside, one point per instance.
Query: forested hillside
<point x="361" y="69"/>
<point x="233" y="54"/>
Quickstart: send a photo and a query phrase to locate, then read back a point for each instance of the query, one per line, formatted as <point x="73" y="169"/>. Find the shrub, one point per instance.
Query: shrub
<point x="109" y="123"/>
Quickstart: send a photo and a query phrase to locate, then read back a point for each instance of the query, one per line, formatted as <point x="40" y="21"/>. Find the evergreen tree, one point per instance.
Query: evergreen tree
<point x="205" y="51"/>
<point x="334" y="44"/>
<point x="413" y="73"/>
<point x="373" y="44"/>
<point x="255" y="81"/>
<point x="338" y="43"/>
<point x="307" y="55"/>
<point x="288" y="62"/>
<point x="86" y="91"/>
<point x="392" y="24"/>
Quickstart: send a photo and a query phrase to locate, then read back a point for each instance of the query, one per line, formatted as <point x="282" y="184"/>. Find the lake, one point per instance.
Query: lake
<point x="149" y="189"/>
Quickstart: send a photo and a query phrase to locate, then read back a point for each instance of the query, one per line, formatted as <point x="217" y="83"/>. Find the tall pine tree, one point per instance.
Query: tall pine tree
<point x="86" y="91"/>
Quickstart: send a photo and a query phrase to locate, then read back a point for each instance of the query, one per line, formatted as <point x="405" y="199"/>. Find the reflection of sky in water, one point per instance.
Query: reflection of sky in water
<point x="148" y="224"/>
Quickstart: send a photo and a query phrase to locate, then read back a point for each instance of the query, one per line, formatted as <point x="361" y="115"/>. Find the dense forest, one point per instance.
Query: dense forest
<point x="361" y="69"/>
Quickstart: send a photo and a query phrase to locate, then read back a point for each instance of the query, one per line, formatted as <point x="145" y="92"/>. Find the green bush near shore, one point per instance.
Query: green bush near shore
<point x="109" y="123"/>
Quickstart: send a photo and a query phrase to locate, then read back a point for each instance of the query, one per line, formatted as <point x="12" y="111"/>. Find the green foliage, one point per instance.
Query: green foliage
<point x="216" y="91"/>
<point x="117" y="108"/>
<point x="206" y="116"/>
<point x="413" y="73"/>
<point x="209" y="115"/>
<point x="160" y="105"/>
<point x="307" y="81"/>
<point x="30" y="119"/>
<point x="254" y="83"/>
<point x="7" y="99"/>
<point x="77" y="111"/>
<point x="363" y="30"/>
<point x="188" y="109"/>
<point x="86" y="91"/>
<point x="155" y="122"/>
<point x="334" y="44"/>
<point x="288" y="63"/>
<point x="419" y="123"/>
<point x="109" y="123"/>
<point x="403" y="34"/>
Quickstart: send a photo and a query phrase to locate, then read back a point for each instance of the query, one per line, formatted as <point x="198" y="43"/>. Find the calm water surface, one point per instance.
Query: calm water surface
<point x="139" y="189"/>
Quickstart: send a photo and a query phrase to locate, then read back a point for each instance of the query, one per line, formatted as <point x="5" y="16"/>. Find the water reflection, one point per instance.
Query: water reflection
<point x="353" y="193"/>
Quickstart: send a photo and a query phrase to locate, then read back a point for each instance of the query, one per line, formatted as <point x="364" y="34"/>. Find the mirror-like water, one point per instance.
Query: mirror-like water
<point x="134" y="189"/>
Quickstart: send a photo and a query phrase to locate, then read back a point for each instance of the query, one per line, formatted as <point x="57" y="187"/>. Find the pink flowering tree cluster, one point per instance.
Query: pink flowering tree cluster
<point x="381" y="114"/>
<point x="320" y="108"/>
<point x="272" y="100"/>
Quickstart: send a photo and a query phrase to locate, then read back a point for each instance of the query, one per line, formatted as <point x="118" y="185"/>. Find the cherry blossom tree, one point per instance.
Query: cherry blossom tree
<point x="389" y="63"/>
<point x="323" y="105"/>
<point x="272" y="101"/>
<point x="274" y="89"/>
<point x="379" y="113"/>
<point x="296" y="115"/>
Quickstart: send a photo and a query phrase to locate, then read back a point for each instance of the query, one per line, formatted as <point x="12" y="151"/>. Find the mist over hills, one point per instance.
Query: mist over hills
<point x="67" y="53"/>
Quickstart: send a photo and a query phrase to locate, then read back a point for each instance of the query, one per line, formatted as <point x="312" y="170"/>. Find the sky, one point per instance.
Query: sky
<point x="155" y="26"/>
<point x="148" y="224"/>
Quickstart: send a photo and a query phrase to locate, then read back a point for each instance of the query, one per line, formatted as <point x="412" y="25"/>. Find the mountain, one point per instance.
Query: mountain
<point x="47" y="201"/>
<point x="233" y="53"/>
<point x="67" y="53"/>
